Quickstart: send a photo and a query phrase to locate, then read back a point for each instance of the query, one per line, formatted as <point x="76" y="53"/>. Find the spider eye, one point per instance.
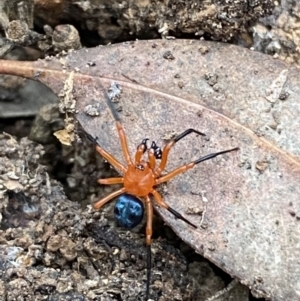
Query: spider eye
<point x="129" y="211"/>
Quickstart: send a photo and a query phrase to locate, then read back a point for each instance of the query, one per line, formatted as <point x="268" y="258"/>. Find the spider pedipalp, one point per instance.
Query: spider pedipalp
<point x="157" y="150"/>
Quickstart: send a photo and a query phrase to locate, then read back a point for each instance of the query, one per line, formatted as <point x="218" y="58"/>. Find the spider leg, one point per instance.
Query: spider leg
<point x="188" y="166"/>
<point x="105" y="200"/>
<point x="159" y="200"/>
<point x="148" y="271"/>
<point x="166" y="150"/>
<point x="123" y="140"/>
<point x="110" y="181"/>
<point x="149" y="209"/>
<point x="110" y="158"/>
<point x="120" y="129"/>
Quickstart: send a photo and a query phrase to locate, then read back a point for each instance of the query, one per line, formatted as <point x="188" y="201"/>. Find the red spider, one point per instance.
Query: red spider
<point x="140" y="178"/>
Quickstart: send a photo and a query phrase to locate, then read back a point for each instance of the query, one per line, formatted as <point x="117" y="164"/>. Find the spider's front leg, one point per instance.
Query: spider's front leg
<point x="167" y="148"/>
<point x="116" y="164"/>
<point x="188" y="166"/>
<point x="124" y="144"/>
<point x="110" y="158"/>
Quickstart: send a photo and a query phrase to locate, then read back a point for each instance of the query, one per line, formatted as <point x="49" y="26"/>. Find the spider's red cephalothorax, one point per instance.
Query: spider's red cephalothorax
<point x="140" y="177"/>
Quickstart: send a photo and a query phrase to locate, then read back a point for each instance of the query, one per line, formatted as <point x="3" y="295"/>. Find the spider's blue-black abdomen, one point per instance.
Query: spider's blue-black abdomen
<point x="129" y="211"/>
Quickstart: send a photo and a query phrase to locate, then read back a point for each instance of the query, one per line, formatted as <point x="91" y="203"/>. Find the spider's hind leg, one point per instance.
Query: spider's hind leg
<point x="159" y="200"/>
<point x="149" y="210"/>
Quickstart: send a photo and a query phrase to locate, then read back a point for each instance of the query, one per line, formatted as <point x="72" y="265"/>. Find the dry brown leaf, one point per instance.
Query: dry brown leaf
<point x="64" y="137"/>
<point x="251" y="225"/>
